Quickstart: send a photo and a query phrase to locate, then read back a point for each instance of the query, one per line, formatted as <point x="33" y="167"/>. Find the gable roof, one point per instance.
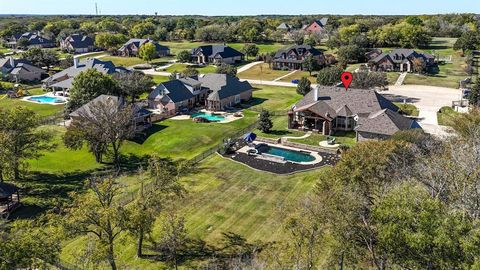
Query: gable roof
<point x="217" y="50"/>
<point x="6" y="62"/>
<point x="402" y="55"/>
<point x="79" y="41"/>
<point x="138" y="42"/>
<point x="23" y="67"/>
<point x="174" y="89"/>
<point x="284" y="26"/>
<point x="322" y="22"/>
<point x="386" y="122"/>
<point x="357" y="101"/>
<point x="60" y="79"/>
<point x="86" y="109"/>
<point x="298" y="50"/>
<point x="223" y="86"/>
<point x="19" y="66"/>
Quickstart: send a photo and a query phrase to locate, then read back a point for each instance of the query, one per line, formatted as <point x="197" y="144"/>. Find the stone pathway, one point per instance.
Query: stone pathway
<point x="401" y="78"/>
<point x="308" y="134"/>
<point x="284" y="76"/>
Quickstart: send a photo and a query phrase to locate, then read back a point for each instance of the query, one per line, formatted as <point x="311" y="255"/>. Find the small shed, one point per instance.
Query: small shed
<point x="9" y="198"/>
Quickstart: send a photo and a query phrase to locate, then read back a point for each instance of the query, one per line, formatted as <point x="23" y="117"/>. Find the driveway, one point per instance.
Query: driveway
<point x="428" y="100"/>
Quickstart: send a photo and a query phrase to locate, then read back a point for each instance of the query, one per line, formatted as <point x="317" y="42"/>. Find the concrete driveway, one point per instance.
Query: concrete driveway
<point x="428" y="100"/>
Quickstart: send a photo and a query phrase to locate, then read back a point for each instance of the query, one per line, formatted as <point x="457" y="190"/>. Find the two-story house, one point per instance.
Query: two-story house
<point x="131" y="48"/>
<point x="293" y="58"/>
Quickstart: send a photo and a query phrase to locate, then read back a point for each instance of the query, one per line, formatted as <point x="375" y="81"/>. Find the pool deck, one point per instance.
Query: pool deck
<point x="317" y="156"/>
<point x="49" y="94"/>
<point x="229" y="117"/>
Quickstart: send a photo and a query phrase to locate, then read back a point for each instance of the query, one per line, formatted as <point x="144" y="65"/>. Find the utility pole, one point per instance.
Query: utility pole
<point x="96" y="9"/>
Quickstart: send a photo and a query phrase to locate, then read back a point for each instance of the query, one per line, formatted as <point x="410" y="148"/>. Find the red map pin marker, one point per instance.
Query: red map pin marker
<point x="347" y="78"/>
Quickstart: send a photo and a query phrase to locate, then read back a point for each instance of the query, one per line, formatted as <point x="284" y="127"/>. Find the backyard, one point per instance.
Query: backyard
<point x="42" y="110"/>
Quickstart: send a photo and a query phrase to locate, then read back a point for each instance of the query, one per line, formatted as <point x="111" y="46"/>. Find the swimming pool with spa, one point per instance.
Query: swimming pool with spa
<point x="287" y="154"/>
<point x="208" y="116"/>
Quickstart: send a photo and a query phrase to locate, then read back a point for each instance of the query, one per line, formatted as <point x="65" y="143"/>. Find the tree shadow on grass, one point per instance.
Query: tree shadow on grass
<point x="253" y="102"/>
<point x="141" y="138"/>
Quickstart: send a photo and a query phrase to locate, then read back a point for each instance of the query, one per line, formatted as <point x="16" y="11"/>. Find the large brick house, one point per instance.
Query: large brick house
<point x="330" y="109"/>
<point x="212" y="91"/>
<point x="131" y="48"/>
<point x="77" y="43"/>
<point x="216" y="54"/>
<point x="33" y="40"/>
<point x="293" y="57"/>
<point x="317" y="26"/>
<point x="401" y="60"/>
<point x="20" y="70"/>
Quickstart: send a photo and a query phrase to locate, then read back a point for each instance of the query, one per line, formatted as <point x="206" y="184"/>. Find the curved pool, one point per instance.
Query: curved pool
<point x="287" y="154"/>
<point x="209" y="117"/>
<point x="46" y="99"/>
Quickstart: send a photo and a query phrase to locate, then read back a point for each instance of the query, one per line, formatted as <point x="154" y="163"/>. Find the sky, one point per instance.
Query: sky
<point x="239" y="7"/>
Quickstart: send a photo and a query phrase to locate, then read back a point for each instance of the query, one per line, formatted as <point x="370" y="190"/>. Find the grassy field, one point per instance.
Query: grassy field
<point x="297" y="75"/>
<point x="224" y="196"/>
<point x="92" y="55"/>
<point x="182" y="67"/>
<point x="132" y="61"/>
<point x="408" y="109"/>
<point x="159" y="79"/>
<point x="42" y="110"/>
<point x="446" y="115"/>
<point x="262" y="72"/>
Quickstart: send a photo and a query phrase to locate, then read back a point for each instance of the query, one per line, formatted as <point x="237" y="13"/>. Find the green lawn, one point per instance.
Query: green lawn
<point x="182" y="67"/>
<point x="274" y="98"/>
<point x="300" y="74"/>
<point x="92" y="55"/>
<point x="408" y="109"/>
<point x="42" y="110"/>
<point x="262" y="72"/>
<point x="223" y="196"/>
<point x="132" y="61"/>
<point x="159" y="79"/>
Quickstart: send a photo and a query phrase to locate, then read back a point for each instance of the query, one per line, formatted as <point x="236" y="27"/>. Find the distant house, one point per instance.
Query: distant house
<point x="293" y="58"/>
<point x="141" y="116"/>
<point x="20" y="70"/>
<point x="284" y="27"/>
<point x="214" y="91"/>
<point x="216" y="54"/>
<point x="330" y="109"/>
<point x="317" y="26"/>
<point x="77" y="43"/>
<point x="401" y="60"/>
<point x="131" y="48"/>
<point x="34" y="40"/>
<point x="62" y="81"/>
<point x="372" y="54"/>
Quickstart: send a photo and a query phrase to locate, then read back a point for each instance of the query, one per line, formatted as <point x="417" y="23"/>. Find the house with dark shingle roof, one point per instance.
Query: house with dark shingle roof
<point x="284" y="27"/>
<point x="34" y="40"/>
<point x="330" y="109"/>
<point x="214" y="91"/>
<point x="293" y="57"/>
<point x="216" y="54"/>
<point x="63" y="80"/>
<point x="401" y="60"/>
<point x="77" y="43"/>
<point x="20" y="70"/>
<point x="131" y="48"/>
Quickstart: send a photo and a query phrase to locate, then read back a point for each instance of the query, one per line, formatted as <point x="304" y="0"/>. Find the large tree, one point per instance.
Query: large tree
<point x="88" y="85"/>
<point x="474" y="96"/>
<point x="225" y="68"/>
<point x="148" y="51"/>
<point x="98" y="212"/>
<point x="184" y="56"/>
<point x="304" y="86"/>
<point x="41" y="57"/>
<point x="329" y="76"/>
<point x="264" y="123"/>
<point x="369" y="80"/>
<point x="21" y="138"/>
<point x="133" y="84"/>
<point x="250" y="50"/>
<point x="106" y="123"/>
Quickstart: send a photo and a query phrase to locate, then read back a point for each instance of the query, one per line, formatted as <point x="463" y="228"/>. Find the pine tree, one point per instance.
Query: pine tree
<point x="265" y="123"/>
<point x="474" y="96"/>
<point x="304" y="86"/>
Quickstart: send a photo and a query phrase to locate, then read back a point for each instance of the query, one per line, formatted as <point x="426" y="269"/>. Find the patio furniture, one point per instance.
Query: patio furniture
<point x="249" y="137"/>
<point x="331" y="140"/>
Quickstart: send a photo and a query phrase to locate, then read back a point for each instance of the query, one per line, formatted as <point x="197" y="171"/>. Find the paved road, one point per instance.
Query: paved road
<point x="248" y="66"/>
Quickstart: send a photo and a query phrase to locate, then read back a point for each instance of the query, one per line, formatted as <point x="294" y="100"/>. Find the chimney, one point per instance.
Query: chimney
<point x="75" y="62"/>
<point x="177" y="75"/>
<point x="315" y="94"/>
<point x="12" y="62"/>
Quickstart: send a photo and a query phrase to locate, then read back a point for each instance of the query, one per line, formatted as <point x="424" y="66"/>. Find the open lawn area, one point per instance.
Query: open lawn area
<point x="223" y="196"/>
<point x="297" y="75"/>
<point x="182" y="67"/>
<point x="446" y="115"/>
<point x="262" y="72"/>
<point x="42" y="110"/>
<point x="408" y="109"/>
<point x="132" y="61"/>
<point x="92" y="55"/>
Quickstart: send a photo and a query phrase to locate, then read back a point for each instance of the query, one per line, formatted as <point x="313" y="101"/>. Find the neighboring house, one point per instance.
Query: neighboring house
<point x="317" y="26"/>
<point x="372" y="54"/>
<point x="214" y="91"/>
<point x="284" y="27"/>
<point x="141" y="116"/>
<point x="225" y="91"/>
<point x="131" y="48"/>
<point x="401" y="60"/>
<point x="62" y="81"/>
<point x="77" y="43"/>
<point x="34" y="40"/>
<point x="19" y="70"/>
<point x="294" y="57"/>
<point x="330" y="109"/>
<point x="216" y="54"/>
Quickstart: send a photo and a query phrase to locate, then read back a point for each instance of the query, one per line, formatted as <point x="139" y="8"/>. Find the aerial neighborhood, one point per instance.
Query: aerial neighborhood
<point x="239" y="142"/>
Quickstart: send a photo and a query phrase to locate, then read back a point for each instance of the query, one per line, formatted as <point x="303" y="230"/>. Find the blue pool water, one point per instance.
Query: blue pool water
<point x="209" y="117"/>
<point x="46" y="99"/>
<point x="289" y="155"/>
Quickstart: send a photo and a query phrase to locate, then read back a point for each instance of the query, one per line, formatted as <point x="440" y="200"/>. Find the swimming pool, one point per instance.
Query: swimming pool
<point x="287" y="154"/>
<point x="46" y="99"/>
<point x="209" y="117"/>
